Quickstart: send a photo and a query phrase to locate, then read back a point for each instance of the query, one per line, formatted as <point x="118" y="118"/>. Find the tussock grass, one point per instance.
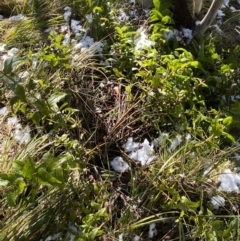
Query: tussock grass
<point x="81" y="112"/>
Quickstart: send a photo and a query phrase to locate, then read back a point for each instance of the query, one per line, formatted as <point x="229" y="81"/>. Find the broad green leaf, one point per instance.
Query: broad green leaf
<point x="20" y="92"/>
<point x="8" y="65"/>
<point x="11" y="198"/>
<point x="54" y="99"/>
<point x="59" y="174"/>
<point x="20" y="185"/>
<point x="228" y="121"/>
<point x="229" y="137"/>
<point x="155" y="15"/>
<point x="216" y="128"/>
<point x="28" y="168"/>
<point x="156" y="4"/>
<point x="97" y="9"/>
<point x="15" y="191"/>
<point x="94" y="233"/>
<point x="166" y="20"/>
<point x="46" y="178"/>
<point x="7" y="177"/>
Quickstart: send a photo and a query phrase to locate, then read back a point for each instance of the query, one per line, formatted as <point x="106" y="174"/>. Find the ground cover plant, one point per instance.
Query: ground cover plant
<point x="116" y="124"/>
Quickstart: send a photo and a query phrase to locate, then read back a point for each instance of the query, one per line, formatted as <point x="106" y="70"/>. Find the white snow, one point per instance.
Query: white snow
<point x="2" y="47"/>
<point x="20" y="134"/>
<point x="3" y="111"/>
<point x="120" y="237"/>
<point x="130" y="145"/>
<point x="123" y="17"/>
<point x="89" y="17"/>
<point x="152" y="230"/>
<point x="233" y="9"/>
<point x="12" y="121"/>
<point x="229" y="181"/>
<point x="143" y="154"/>
<point x="225" y="3"/>
<point x="187" y="33"/>
<point x="67" y="14"/>
<point x="12" y="51"/>
<point x="175" y="143"/>
<point x="119" y="165"/>
<point x="158" y="141"/>
<point x="136" y="238"/>
<point x="24" y="74"/>
<point x="17" y="18"/>
<point x="188" y="137"/>
<point x="87" y="42"/>
<point x="220" y="14"/>
<point x="217" y="28"/>
<point x="217" y="201"/>
<point x="142" y="40"/>
<point x="168" y="34"/>
<point x="76" y="27"/>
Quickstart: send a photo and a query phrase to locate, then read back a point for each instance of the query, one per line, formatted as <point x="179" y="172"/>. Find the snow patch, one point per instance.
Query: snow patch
<point x="217" y="202"/>
<point x="17" y="18"/>
<point x="152" y="230"/>
<point x="119" y="165"/>
<point x="229" y="181"/>
<point x="142" y="40"/>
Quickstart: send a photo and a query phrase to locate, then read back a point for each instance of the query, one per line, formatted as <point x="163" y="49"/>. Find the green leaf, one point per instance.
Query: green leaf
<point x="28" y="168"/>
<point x="97" y="9"/>
<point x="54" y="99"/>
<point x="8" y="65"/>
<point x="156" y="4"/>
<point x="15" y="191"/>
<point x="20" y="92"/>
<point x="216" y="128"/>
<point x="166" y="20"/>
<point x="9" y="178"/>
<point x="47" y="179"/>
<point x="229" y="137"/>
<point x="228" y="121"/>
<point x="11" y="198"/>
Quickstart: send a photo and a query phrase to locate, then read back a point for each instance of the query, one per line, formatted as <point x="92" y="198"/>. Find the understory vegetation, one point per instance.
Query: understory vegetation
<point x="78" y="79"/>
